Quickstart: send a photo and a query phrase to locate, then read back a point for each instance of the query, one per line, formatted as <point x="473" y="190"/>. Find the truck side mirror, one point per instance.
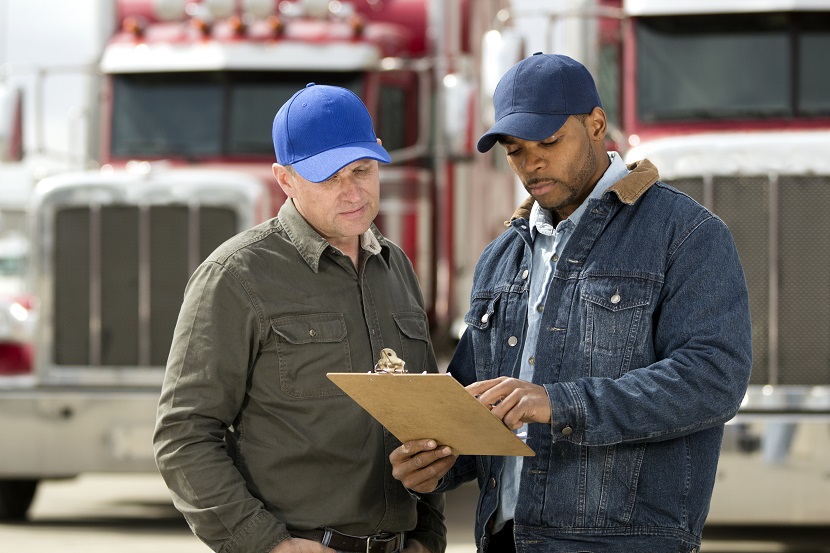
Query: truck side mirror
<point x="11" y="123"/>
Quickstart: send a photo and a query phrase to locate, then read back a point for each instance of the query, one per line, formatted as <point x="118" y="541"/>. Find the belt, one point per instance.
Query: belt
<point x="377" y="543"/>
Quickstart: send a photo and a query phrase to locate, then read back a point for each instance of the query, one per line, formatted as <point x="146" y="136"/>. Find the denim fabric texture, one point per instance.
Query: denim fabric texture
<point x="645" y="352"/>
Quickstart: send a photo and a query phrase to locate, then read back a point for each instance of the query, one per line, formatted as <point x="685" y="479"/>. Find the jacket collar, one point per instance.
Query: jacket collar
<point x="629" y="189"/>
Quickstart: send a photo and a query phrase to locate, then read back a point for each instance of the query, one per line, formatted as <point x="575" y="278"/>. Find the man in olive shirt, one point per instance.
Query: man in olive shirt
<point x="263" y="453"/>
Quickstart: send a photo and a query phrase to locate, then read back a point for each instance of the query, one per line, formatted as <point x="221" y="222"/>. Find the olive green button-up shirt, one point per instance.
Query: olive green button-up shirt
<point x="252" y="438"/>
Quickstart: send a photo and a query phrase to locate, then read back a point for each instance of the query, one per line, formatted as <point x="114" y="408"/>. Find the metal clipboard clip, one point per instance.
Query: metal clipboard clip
<point x="389" y="363"/>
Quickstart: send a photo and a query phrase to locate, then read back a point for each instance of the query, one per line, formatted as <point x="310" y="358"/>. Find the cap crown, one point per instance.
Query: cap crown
<point x="546" y="84"/>
<point x="321" y="129"/>
<point x="537" y="95"/>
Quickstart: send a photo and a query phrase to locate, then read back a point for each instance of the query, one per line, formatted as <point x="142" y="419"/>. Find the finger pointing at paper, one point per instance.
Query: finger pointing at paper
<point x="512" y="400"/>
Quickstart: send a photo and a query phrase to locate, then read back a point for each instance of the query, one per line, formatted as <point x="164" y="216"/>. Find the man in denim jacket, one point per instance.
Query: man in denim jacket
<point x="610" y="322"/>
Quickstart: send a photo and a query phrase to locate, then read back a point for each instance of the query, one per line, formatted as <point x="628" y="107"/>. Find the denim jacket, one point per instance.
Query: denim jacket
<point x="645" y="352"/>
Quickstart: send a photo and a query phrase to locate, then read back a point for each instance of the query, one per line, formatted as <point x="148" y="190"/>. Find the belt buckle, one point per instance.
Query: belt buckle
<point x="374" y="539"/>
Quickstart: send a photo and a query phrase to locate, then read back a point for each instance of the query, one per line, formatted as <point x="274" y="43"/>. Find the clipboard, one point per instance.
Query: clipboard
<point x="434" y="405"/>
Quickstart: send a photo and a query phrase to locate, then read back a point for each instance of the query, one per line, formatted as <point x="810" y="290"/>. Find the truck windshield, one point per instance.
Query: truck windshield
<point x="734" y="66"/>
<point x="205" y="114"/>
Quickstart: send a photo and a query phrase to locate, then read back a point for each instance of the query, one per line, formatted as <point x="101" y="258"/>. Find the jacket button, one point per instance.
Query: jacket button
<point x="512" y="341"/>
<point x="492" y="482"/>
<point x="485" y="317"/>
<point x="524" y="274"/>
<point x="567" y="431"/>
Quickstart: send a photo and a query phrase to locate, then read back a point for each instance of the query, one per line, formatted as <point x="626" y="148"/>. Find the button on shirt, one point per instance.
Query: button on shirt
<point x="549" y="241"/>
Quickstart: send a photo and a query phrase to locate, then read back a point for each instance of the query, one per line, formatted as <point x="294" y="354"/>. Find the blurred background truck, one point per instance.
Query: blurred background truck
<point x="184" y="94"/>
<point x="730" y="99"/>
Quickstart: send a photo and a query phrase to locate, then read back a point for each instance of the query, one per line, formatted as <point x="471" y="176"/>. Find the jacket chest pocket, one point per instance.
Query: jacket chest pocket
<point x="616" y="316"/>
<point x="484" y="334"/>
<point x="309" y="346"/>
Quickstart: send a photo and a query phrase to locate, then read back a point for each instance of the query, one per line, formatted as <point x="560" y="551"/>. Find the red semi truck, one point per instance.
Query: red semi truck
<point x="188" y="93"/>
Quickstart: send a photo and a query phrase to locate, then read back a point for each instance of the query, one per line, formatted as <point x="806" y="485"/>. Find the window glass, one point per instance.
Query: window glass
<point x="205" y="114"/>
<point x="392" y="113"/>
<point x="720" y="66"/>
<point x="166" y="115"/>
<point x="814" y="78"/>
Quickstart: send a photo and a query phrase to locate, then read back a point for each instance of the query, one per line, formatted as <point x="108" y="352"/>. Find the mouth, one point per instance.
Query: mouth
<point x="538" y="186"/>
<point x="354" y="212"/>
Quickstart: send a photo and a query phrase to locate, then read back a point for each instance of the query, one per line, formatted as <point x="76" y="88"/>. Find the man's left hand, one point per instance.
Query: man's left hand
<point x="512" y="400"/>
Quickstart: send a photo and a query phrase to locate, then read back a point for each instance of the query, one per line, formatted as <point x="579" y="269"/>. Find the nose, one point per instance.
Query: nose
<point x="351" y="190"/>
<point x="533" y="160"/>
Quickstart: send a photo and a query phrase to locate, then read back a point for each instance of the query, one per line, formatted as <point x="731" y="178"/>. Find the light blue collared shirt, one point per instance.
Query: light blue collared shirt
<point x="548" y="244"/>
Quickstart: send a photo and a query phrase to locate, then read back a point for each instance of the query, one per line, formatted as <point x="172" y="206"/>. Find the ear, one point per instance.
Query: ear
<point x="597" y="124"/>
<point x="285" y="179"/>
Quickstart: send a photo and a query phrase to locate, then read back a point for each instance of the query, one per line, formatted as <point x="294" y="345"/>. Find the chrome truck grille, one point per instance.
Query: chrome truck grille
<point x="782" y="231"/>
<point x="112" y="255"/>
<point x="120" y="272"/>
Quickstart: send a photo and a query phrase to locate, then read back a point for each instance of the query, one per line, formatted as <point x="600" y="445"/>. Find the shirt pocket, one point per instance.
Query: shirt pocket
<point x="414" y="336"/>
<point x="616" y="310"/>
<point x="308" y="347"/>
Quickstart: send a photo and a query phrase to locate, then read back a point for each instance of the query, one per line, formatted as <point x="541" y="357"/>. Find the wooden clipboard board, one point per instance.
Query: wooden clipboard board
<point x="436" y="406"/>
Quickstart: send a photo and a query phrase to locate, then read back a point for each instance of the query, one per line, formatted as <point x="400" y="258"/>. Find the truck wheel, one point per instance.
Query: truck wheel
<point x="15" y="498"/>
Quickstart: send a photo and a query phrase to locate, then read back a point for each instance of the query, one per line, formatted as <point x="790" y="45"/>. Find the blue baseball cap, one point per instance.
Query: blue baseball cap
<point x="537" y="95"/>
<point x="321" y="129"/>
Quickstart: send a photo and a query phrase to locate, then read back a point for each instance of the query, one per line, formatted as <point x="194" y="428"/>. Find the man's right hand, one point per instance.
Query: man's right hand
<point x="299" y="545"/>
<point x="420" y="464"/>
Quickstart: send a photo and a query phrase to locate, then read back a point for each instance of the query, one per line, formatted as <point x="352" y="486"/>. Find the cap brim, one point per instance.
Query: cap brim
<point x="525" y="126"/>
<point x="320" y="167"/>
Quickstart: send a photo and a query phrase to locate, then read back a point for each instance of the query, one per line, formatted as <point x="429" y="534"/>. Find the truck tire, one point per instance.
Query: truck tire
<point x="15" y="498"/>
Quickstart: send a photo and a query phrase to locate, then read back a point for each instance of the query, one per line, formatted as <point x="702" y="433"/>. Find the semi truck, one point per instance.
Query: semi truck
<point x="731" y="101"/>
<point x="188" y="94"/>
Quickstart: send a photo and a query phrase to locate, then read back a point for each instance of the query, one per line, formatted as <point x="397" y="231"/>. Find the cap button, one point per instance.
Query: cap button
<point x="538" y="53"/>
<point x="309" y="84"/>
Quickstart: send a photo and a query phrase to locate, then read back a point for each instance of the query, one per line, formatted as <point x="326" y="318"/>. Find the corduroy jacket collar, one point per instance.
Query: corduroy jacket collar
<point x="629" y="189"/>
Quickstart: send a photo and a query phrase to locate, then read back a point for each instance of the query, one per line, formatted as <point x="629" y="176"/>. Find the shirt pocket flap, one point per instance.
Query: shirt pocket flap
<point x="412" y="325"/>
<point x="618" y="294"/>
<point x="481" y="312"/>
<point x="307" y="329"/>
